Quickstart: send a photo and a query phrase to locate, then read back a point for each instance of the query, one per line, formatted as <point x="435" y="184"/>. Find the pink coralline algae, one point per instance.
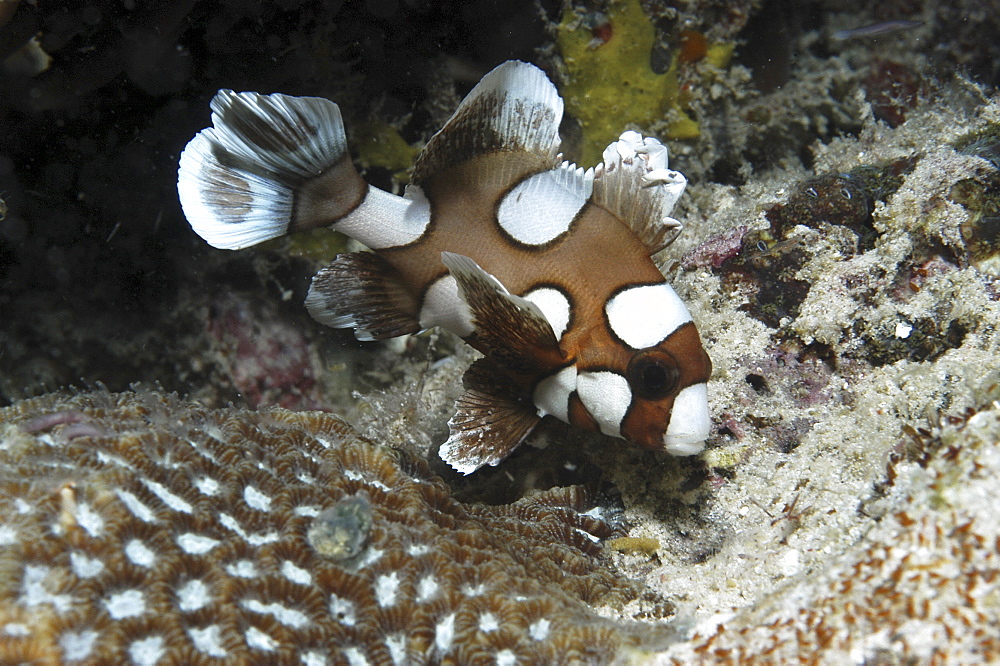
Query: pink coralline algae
<point x="717" y="250"/>
<point x="264" y="356"/>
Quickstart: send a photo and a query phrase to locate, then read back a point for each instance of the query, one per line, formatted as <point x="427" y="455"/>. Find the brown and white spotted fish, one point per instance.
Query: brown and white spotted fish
<point x="543" y="267"/>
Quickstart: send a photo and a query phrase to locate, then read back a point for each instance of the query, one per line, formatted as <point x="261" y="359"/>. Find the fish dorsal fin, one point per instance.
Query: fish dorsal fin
<point x="512" y="331"/>
<point x="635" y="185"/>
<point x="494" y="416"/>
<point x="514" y="108"/>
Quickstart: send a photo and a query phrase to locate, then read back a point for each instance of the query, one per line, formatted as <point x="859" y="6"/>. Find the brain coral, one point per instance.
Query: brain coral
<point x="137" y="529"/>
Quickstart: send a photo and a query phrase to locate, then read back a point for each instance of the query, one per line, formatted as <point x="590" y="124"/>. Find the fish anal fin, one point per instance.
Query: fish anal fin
<point x="495" y="414"/>
<point x="510" y="330"/>
<point x="361" y="290"/>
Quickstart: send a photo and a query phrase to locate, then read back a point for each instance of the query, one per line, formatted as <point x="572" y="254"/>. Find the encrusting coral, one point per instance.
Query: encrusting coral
<point x="137" y="529"/>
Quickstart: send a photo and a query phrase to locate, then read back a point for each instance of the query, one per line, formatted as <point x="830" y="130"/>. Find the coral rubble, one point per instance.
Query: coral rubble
<point x="137" y="529"/>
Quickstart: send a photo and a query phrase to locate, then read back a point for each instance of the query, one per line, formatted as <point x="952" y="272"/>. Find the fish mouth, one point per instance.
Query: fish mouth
<point x="689" y="424"/>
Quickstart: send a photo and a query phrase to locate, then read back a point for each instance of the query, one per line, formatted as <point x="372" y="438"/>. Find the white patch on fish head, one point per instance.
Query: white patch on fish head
<point x="554" y="305"/>
<point x="644" y="316"/>
<point x="551" y="396"/>
<point x="607" y="397"/>
<point x="689" y="422"/>
<point x="443" y="307"/>
<point x="542" y="207"/>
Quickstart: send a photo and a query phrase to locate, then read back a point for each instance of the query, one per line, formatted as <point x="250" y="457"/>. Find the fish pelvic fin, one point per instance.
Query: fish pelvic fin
<point x="493" y="417"/>
<point x="510" y="330"/>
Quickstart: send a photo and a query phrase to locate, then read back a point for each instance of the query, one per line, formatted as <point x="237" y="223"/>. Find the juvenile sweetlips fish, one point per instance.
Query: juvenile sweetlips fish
<point x="543" y="267"/>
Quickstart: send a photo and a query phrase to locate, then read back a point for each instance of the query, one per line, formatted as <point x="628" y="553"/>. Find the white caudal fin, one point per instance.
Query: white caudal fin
<point x="634" y="184"/>
<point x="269" y="165"/>
<point x="513" y="109"/>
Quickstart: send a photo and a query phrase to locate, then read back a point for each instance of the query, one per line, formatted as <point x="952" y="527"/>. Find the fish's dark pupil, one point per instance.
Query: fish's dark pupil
<point x="653" y="375"/>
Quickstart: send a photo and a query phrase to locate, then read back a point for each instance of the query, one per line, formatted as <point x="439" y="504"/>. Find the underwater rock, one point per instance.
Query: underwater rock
<point x="136" y="528"/>
<point x="919" y="587"/>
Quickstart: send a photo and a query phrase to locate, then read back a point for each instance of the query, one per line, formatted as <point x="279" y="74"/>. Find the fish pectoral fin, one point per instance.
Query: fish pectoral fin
<point x="360" y="290"/>
<point x="269" y="165"/>
<point x="510" y="330"/>
<point x="494" y="416"/>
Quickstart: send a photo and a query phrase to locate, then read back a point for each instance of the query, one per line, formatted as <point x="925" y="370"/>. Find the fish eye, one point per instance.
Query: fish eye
<point x="652" y="374"/>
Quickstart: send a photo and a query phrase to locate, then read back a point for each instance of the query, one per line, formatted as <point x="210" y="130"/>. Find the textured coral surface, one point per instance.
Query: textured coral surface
<point x="137" y="529"/>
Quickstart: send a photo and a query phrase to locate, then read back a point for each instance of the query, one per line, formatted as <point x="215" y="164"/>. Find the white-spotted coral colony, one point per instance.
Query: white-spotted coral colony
<point x="196" y="540"/>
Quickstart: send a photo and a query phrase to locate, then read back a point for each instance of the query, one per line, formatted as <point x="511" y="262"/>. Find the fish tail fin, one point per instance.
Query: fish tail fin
<point x="270" y="165"/>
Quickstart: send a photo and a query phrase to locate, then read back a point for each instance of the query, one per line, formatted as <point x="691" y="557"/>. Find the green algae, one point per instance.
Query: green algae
<point x="379" y="144"/>
<point x="611" y="84"/>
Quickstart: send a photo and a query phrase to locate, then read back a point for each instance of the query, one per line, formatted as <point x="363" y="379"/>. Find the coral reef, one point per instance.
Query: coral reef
<point x="849" y="344"/>
<point x="138" y="529"/>
<point x="920" y="586"/>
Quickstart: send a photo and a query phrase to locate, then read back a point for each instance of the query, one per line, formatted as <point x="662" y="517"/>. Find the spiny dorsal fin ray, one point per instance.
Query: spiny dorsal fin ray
<point x="514" y="108"/>
<point x="362" y="291"/>
<point x="634" y="184"/>
<point x="494" y="416"/>
<point x="510" y="330"/>
<point x="270" y="165"/>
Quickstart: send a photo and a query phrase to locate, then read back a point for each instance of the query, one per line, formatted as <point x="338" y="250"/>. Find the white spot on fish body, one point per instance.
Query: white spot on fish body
<point x="607" y="397"/>
<point x="551" y="396"/>
<point x="541" y="207"/>
<point x="689" y="422"/>
<point x="443" y="307"/>
<point x="644" y="316"/>
<point x="385" y="220"/>
<point x="554" y="305"/>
